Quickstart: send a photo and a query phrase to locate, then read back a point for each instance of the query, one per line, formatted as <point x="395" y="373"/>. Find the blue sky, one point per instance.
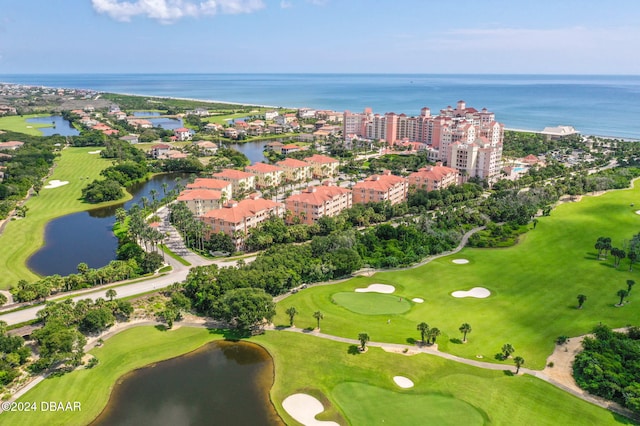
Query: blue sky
<point x="380" y="36"/>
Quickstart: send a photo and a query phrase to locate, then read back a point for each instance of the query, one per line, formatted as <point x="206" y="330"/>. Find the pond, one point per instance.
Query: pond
<point x="60" y="126"/>
<point x="167" y="123"/>
<point x="87" y="236"/>
<point x="223" y="383"/>
<point x="253" y="150"/>
<point x="146" y="114"/>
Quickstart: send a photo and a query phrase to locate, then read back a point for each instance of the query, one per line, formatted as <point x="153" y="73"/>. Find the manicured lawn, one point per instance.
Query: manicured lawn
<point x="222" y="118"/>
<point x="360" y="388"/>
<point x="18" y="123"/>
<point x="23" y="237"/>
<point x="534" y="286"/>
<point x="120" y="354"/>
<point x="371" y="303"/>
<point x="354" y="388"/>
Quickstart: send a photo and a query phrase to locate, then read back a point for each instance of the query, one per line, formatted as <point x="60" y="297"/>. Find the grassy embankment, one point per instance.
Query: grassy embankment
<point x="23" y="237"/>
<point x="350" y="385"/>
<point x="18" y="123"/>
<point x="534" y="286"/>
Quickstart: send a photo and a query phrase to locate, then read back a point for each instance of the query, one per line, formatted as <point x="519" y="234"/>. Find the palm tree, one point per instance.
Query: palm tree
<point x="423" y="328"/>
<point x="364" y="338"/>
<point x="518" y="361"/>
<point x="318" y="316"/>
<point x="465" y="329"/>
<point x="292" y="312"/>
<point x="507" y="350"/>
<point x="581" y="299"/>
<point x="630" y="284"/>
<point x="622" y="294"/>
<point x="111" y="293"/>
<point x="433" y="334"/>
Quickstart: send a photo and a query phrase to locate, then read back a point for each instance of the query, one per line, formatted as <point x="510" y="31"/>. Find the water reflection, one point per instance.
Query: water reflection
<point x="225" y="383"/>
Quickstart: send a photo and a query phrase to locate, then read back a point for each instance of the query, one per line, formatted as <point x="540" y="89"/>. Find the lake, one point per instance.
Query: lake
<point x="222" y="383"/>
<point x="60" y="126"/>
<point x="253" y="150"/>
<point x="87" y="236"/>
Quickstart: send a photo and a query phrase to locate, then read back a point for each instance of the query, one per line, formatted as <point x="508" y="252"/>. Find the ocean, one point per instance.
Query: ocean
<point x="593" y="104"/>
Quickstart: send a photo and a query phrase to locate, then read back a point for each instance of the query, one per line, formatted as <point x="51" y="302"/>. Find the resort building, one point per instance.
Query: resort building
<point x="201" y="201"/>
<point x="207" y="147"/>
<point x="240" y="181"/>
<point x="460" y="124"/>
<point x="295" y="170"/>
<point x="236" y="218"/>
<point x="433" y="177"/>
<point x="323" y="166"/>
<point x="318" y="201"/>
<point x="267" y="175"/>
<point x="478" y="159"/>
<point x="226" y="188"/>
<point x="382" y="187"/>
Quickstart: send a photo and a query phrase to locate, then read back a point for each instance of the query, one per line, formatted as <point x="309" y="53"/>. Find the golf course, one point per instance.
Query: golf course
<point x="531" y="300"/>
<point x="18" y="123"/>
<point x="23" y="237"/>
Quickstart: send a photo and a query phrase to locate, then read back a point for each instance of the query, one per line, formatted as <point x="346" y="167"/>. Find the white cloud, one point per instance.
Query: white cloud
<point x="168" y="11"/>
<point x="284" y="4"/>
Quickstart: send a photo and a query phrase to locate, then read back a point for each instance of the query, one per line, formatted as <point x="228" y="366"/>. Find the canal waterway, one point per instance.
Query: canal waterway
<point x="87" y="236"/>
<point x="223" y="383"/>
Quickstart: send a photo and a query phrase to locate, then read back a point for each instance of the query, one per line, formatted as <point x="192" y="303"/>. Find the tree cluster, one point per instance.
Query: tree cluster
<point x="609" y="366"/>
<point x="13" y="354"/>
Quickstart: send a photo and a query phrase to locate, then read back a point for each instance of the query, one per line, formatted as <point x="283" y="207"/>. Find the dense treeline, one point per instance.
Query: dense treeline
<point x="521" y="144"/>
<point x="609" y="366"/>
<point x="143" y="103"/>
<point x="25" y="167"/>
<point x="13" y="354"/>
<point x="398" y="164"/>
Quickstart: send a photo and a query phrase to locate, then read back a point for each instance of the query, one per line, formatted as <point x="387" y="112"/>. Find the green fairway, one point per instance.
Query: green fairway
<point x="371" y="303"/>
<point x="355" y="387"/>
<point x="23" y="237"/>
<point x="533" y="287"/>
<point x="360" y="388"/>
<point x="18" y="123"/>
<point x="122" y="353"/>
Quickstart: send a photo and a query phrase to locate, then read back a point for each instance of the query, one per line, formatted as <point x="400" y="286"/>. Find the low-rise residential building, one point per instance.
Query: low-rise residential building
<point x="132" y="139"/>
<point x="433" y="177"/>
<point x="160" y="150"/>
<point x="207" y="147"/>
<point x="295" y="170"/>
<point x="182" y="134"/>
<point x="201" y="201"/>
<point x="382" y="187"/>
<point x="10" y="145"/>
<point x="267" y="175"/>
<point x="270" y="115"/>
<point x="226" y="188"/>
<point x="323" y="166"/>
<point x="236" y="218"/>
<point x="286" y="149"/>
<point x="318" y="201"/>
<point x="241" y="181"/>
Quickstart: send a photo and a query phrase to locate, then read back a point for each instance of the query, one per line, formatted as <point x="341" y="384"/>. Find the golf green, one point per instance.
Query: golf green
<point x="360" y="401"/>
<point x="371" y="303"/>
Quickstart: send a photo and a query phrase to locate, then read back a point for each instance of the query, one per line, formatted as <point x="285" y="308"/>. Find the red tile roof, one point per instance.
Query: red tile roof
<point x="318" y="195"/>
<point x="292" y="163"/>
<point x="381" y="182"/>
<point x="263" y="168"/>
<point x="199" y="194"/>
<point x="433" y="173"/>
<point x="236" y="212"/>
<point x="208" y="183"/>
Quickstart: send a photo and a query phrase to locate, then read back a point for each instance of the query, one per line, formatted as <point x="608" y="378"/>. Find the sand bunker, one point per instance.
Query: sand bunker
<point x="417" y="300"/>
<point x="56" y="183"/>
<point x="403" y="382"/>
<point x="637" y="211"/>
<point x="460" y="261"/>
<point x="477" y="292"/>
<point x="377" y="288"/>
<point x="304" y="409"/>
<point x="95" y="152"/>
